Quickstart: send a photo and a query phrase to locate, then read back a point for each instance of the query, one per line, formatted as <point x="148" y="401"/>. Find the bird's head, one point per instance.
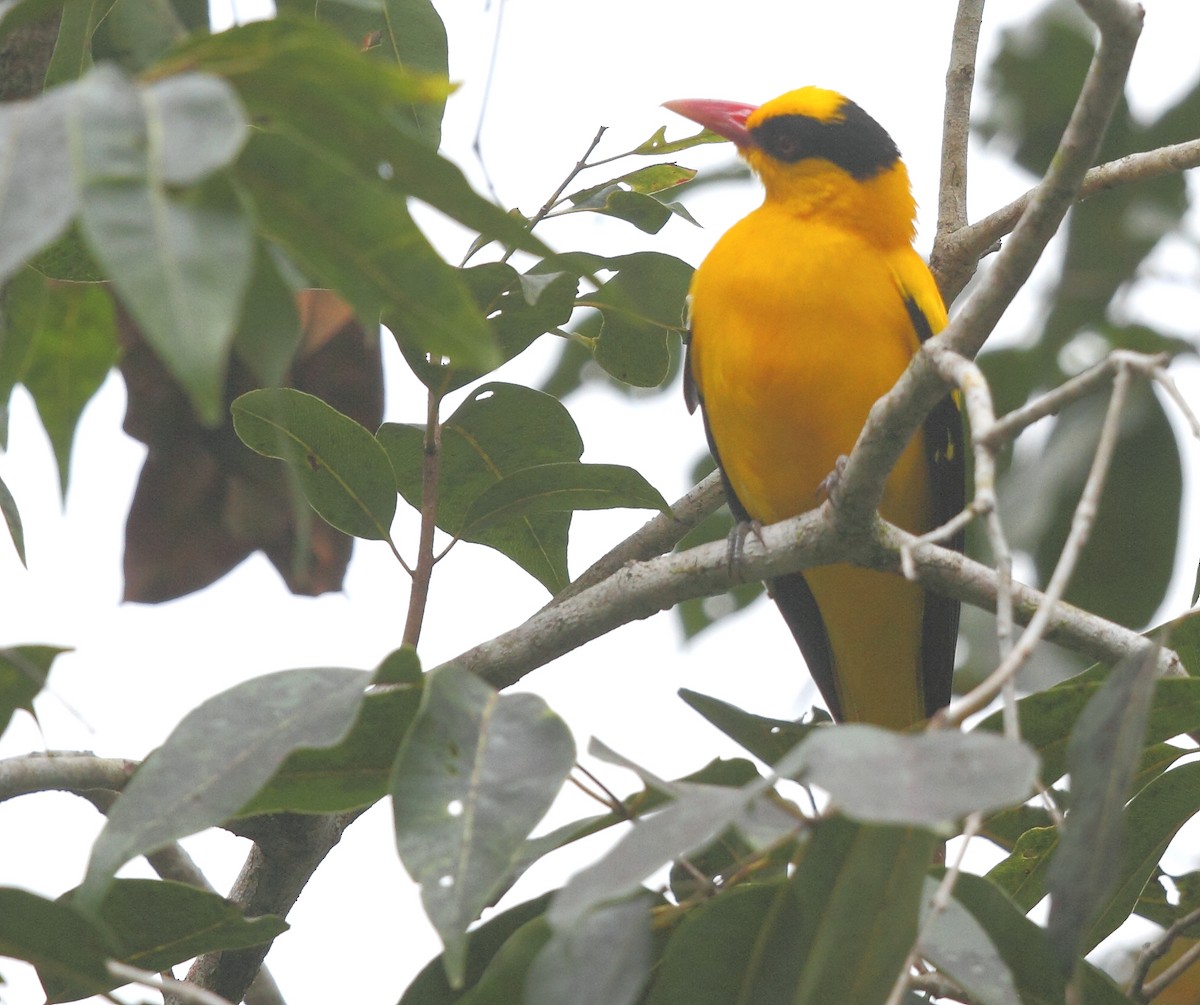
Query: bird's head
<point x="814" y="148"/>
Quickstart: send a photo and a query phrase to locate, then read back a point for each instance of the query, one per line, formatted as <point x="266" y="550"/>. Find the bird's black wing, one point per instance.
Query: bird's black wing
<point x="945" y="453"/>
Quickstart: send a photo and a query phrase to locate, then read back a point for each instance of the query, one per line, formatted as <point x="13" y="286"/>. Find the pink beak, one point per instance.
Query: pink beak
<point x="725" y="118"/>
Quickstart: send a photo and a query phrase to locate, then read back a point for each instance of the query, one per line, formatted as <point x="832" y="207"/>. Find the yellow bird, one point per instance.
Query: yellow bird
<point x="802" y="316"/>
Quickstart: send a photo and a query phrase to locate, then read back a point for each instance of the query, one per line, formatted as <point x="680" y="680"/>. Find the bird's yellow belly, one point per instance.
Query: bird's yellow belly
<point x="788" y="370"/>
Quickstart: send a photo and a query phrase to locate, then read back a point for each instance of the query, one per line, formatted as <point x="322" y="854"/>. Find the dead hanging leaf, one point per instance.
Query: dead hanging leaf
<point x="204" y="501"/>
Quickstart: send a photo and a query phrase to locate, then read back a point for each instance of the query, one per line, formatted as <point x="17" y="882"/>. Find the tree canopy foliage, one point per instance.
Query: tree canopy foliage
<point x="226" y="217"/>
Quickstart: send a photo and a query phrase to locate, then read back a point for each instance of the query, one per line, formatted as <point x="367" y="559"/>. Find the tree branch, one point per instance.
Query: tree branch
<point x="955" y="258"/>
<point x="956" y="119"/>
<point x="274" y="874"/>
<point x="659" y="535"/>
<point x="641" y="589"/>
<point x="1120" y="24"/>
<point x="1142" y="991"/>
<point x="73" y="771"/>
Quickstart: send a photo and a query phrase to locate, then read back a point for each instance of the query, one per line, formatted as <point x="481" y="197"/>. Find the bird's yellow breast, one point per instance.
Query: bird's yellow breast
<point x="790" y="350"/>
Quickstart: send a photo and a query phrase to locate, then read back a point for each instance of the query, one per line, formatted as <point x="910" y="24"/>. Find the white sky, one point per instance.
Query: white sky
<point x="563" y="70"/>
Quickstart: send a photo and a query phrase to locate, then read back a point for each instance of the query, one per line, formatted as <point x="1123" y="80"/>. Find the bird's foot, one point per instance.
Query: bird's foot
<point x="827" y="490"/>
<point x="737" y="540"/>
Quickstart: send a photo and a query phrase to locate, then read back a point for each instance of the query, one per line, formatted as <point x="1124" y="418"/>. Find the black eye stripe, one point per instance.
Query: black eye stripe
<point x="856" y="142"/>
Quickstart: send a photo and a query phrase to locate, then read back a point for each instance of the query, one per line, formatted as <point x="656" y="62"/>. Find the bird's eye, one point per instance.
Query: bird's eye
<point x="787" y="146"/>
<point x="786" y="139"/>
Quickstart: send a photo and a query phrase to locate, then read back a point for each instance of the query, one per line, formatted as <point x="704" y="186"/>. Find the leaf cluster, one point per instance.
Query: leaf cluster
<point x="215" y="212"/>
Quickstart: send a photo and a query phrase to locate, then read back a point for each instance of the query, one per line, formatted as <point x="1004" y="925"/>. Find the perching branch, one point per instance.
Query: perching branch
<point x="657" y="536"/>
<point x="642" y="589"/>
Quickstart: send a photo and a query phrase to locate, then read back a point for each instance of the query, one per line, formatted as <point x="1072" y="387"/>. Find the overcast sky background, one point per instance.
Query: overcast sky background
<point x="562" y="70"/>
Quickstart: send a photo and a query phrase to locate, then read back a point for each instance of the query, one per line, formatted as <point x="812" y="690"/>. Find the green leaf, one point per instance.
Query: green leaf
<point x="506" y="975"/>
<point x="629" y="197"/>
<point x="343" y="471"/>
<point x="23" y="673"/>
<point x="960" y="946"/>
<point x="485" y="944"/>
<point x="135" y="33"/>
<point x="69" y="952"/>
<point x="698" y="814"/>
<point x="1101" y="758"/>
<point x="602" y="959"/>
<point x="72" y="56"/>
<point x="157" y="924"/>
<point x="1023" y="874"/>
<point x="563" y="487"/>
<point x="643" y="308"/>
<point x="924" y="779"/>
<point x="354" y="772"/>
<point x="803" y="940"/>
<point x="38" y="195"/>
<point x="319" y="88"/>
<point x="499" y="429"/>
<point x="476" y="773"/>
<point x="419" y="44"/>
<point x="354" y="234"/>
<point x="219" y="755"/>
<point x="646" y="180"/>
<point x="1048" y="717"/>
<point x="658" y="144"/>
<point x="729" y="773"/>
<point x="180" y="261"/>
<point x="857" y="879"/>
<point x="643" y="211"/>
<point x="1152" y="819"/>
<point x="1124" y="571"/>
<point x="767" y="739"/>
<point x="70" y="331"/>
<point x="518" y="309"/>
<point x="12" y="520"/>
<point x="1024" y="948"/>
<point x="718" y="952"/>
<point x="269" y="331"/>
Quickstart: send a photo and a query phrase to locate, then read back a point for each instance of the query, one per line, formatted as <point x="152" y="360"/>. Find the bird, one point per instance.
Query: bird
<point x="802" y="315"/>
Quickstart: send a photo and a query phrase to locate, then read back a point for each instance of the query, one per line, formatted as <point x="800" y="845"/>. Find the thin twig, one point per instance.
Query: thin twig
<point x="423" y="571"/>
<point x="1005" y="429"/>
<point x="1142" y="992"/>
<point x="963" y="249"/>
<point x="1081" y="525"/>
<point x="1035" y="217"/>
<point x="956" y="118"/>
<point x="182" y="991"/>
<point x="477" y="141"/>
<point x="549" y="204"/>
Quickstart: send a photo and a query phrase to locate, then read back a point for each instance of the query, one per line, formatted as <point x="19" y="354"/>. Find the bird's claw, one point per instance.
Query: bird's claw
<point x="829" y="484"/>
<point x="737" y="540"/>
